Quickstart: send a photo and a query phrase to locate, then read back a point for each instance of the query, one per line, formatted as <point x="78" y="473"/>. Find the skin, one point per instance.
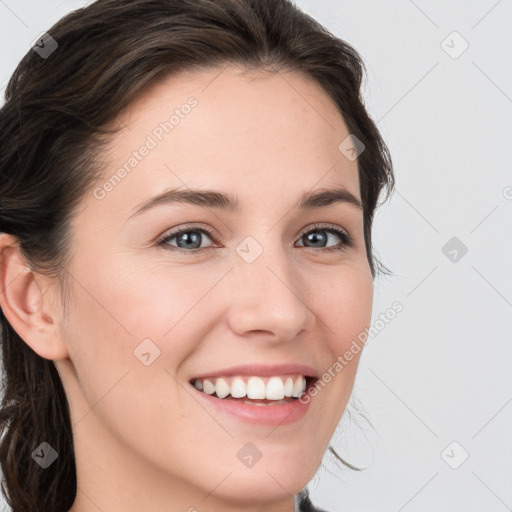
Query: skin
<point x="141" y="441"/>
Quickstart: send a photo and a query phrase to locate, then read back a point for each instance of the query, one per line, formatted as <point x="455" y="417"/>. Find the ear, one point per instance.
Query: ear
<point x="25" y="306"/>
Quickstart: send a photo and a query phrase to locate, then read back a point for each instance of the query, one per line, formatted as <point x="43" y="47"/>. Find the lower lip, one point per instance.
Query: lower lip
<point x="268" y="415"/>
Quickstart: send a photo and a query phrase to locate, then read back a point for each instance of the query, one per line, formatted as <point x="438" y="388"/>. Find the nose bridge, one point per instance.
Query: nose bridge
<point x="268" y="289"/>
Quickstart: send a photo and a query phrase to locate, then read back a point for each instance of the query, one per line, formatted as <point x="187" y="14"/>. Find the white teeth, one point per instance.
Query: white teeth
<point x="256" y="388"/>
<point x="208" y="387"/>
<point x="276" y="388"/>
<point x="299" y="386"/>
<point x="222" y="388"/>
<point x="238" y="388"/>
<point x="288" y="387"/>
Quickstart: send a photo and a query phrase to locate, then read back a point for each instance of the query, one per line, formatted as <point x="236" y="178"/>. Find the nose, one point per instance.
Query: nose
<point x="267" y="297"/>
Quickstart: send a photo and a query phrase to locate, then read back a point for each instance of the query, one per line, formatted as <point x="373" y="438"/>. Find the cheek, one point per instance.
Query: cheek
<point x="119" y="323"/>
<point x="344" y="303"/>
<point x="344" y="308"/>
<point x="133" y="301"/>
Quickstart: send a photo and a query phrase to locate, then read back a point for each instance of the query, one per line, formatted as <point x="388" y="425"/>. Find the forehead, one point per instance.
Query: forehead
<point x="231" y="129"/>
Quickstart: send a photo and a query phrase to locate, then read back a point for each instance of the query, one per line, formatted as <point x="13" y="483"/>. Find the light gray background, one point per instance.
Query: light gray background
<point x="441" y="370"/>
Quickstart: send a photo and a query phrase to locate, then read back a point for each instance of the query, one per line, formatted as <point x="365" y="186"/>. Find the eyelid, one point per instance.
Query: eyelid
<point x="325" y="226"/>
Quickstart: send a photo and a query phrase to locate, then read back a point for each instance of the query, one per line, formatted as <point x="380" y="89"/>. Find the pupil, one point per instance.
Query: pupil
<point x="186" y="236"/>
<point x="314" y="238"/>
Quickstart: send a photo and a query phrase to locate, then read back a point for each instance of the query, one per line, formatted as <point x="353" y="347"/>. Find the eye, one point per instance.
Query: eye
<point x="311" y="236"/>
<point x="190" y="243"/>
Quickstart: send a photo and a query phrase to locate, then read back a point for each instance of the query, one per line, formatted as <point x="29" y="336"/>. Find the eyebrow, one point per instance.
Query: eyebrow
<point x="229" y="202"/>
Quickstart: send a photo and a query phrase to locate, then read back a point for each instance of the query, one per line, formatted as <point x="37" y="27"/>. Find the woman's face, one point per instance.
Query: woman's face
<point x="261" y="292"/>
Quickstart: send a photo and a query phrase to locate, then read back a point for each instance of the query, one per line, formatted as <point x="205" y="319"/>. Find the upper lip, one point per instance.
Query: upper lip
<point x="261" y="370"/>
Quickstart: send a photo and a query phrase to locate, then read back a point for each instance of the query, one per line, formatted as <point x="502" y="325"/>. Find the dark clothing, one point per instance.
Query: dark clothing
<point x="303" y="503"/>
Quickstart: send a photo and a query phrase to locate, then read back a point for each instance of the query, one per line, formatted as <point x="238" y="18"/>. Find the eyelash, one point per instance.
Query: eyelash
<point x="347" y="240"/>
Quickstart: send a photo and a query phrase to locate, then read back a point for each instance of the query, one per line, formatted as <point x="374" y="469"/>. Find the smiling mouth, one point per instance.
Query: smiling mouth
<point x="255" y="390"/>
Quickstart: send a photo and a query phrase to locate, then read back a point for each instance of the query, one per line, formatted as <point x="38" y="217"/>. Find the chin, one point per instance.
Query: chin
<point x="277" y="477"/>
<point x="246" y="487"/>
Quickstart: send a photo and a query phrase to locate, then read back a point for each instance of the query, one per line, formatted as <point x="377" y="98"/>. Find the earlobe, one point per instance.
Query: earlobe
<point x="23" y="303"/>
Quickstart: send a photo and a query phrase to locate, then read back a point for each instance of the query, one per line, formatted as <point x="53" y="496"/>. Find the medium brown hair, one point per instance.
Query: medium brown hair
<point x="53" y="127"/>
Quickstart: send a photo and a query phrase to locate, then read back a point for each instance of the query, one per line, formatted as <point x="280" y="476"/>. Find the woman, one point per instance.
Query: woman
<point x="187" y="189"/>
